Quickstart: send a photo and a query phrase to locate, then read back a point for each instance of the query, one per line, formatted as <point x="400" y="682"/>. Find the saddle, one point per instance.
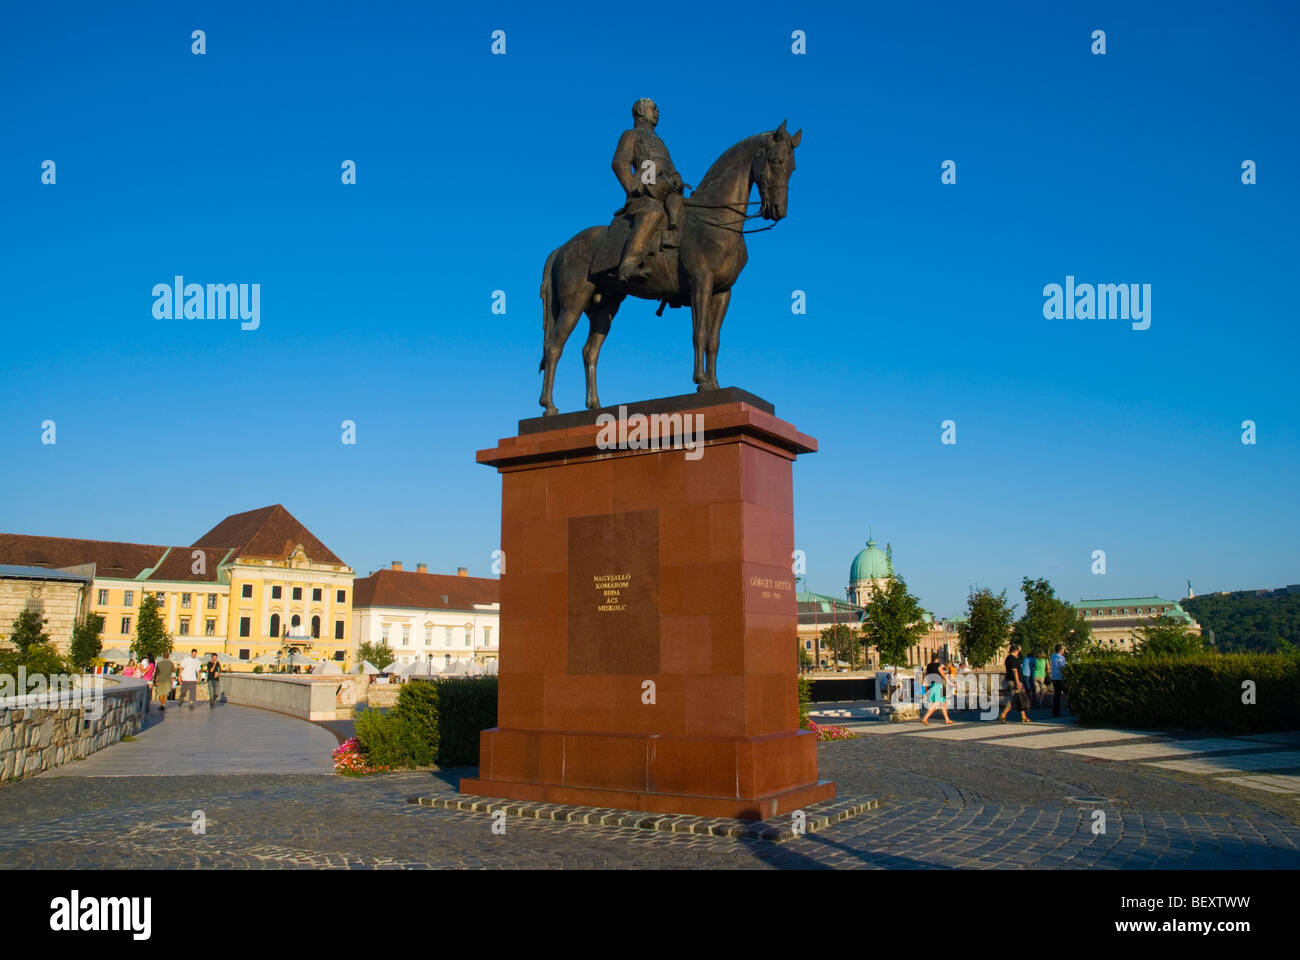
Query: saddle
<point x="609" y="253"/>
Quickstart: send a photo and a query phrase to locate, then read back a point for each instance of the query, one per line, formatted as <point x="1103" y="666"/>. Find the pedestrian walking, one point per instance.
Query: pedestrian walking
<point x="1040" y="680"/>
<point x="1027" y="673"/>
<point x="162" y="680"/>
<point x="1058" y="678"/>
<point x="1016" y="694"/>
<point x="189" y="678"/>
<point x="214" y="682"/>
<point x="935" y="695"/>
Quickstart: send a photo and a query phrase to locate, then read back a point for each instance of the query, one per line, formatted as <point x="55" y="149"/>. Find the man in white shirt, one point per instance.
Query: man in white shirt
<point x="189" y="678"/>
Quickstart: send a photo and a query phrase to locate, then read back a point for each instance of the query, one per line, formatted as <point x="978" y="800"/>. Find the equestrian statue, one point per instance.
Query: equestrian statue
<point x="663" y="245"/>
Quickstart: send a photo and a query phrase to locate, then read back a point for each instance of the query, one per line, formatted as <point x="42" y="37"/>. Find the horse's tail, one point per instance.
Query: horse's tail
<point x="548" y="307"/>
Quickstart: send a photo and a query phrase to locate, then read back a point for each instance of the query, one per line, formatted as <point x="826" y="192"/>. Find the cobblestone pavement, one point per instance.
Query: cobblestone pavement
<point x="944" y="804"/>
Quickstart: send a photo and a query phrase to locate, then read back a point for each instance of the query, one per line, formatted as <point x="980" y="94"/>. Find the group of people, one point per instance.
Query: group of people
<point x="1025" y="684"/>
<point x="183" y="678"/>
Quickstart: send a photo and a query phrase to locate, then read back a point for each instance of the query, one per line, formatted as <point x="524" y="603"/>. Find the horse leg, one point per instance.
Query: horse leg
<point x="701" y="294"/>
<point x="555" y="341"/>
<point x="717" y="310"/>
<point x="598" y="322"/>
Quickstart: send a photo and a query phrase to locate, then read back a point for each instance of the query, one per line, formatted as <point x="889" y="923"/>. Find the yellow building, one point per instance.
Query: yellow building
<point x="257" y="583"/>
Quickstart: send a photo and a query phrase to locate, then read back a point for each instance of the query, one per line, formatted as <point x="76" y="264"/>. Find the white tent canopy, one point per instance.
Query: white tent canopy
<point x="366" y="667"/>
<point x="116" y="655"/>
<point x="328" y="668"/>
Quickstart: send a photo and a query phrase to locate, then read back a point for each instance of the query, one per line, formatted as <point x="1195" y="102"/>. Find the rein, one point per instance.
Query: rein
<point x="730" y="206"/>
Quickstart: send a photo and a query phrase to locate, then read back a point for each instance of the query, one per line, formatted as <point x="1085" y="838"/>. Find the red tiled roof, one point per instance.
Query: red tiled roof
<point x="406" y="588"/>
<point x="111" y="559"/>
<point x="269" y="532"/>
<point x="179" y="564"/>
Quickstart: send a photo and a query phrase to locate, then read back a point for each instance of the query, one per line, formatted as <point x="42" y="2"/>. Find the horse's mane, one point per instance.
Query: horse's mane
<point x="733" y="156"/>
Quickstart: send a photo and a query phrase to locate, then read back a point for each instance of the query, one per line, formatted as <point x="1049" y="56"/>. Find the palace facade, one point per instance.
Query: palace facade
<point x="257" y="583"/>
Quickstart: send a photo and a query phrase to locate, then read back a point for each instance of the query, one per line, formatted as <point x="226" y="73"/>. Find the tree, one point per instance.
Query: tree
<point x="1167" y="636"/>
<point x="1047" y="621"/>
<point x="151" y="638"/>
<point x="893" y="622"/>
<point x="28" y="630"/>
<point x="843" y="643"/>
<point x="805" y="659"/>
<point x="33" y="650"/>
<point x="379" y="654"/>
<point x="987" y="628"/>
<point x="86" y="644"/>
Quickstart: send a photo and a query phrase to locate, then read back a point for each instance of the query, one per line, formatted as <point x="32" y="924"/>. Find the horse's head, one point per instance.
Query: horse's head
<point x="771" y="171"/>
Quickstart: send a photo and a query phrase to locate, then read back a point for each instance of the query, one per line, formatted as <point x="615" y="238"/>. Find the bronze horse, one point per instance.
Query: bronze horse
<point x="701" y="272"/>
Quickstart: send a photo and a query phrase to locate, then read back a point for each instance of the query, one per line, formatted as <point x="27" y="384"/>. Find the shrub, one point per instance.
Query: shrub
<point x="351" y="760"/>
<point x="805" y="697"/>
<point x="417" y="711"/>
<point x="1196" y="692"/>
<point x="465" y="708"/>
<point x="385" y="738"/>
<point x="434" y="721"/>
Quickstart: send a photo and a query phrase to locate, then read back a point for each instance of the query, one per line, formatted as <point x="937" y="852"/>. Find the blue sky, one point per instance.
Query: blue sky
<point x="924" y="300"/>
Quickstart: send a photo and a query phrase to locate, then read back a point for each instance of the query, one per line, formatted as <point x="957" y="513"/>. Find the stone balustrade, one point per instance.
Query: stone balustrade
<point x="41" y="731"/>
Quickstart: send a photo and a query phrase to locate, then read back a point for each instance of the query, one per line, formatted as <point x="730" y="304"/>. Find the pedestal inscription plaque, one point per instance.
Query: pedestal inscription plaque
<point x="614" y="593"/>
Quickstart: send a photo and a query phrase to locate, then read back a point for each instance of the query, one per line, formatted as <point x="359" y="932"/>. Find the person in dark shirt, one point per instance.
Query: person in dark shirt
<point x="1016" y="695"/>
<point x="214" y="682"/>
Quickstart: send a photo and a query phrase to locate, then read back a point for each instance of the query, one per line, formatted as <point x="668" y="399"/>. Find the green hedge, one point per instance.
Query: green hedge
<point x="434" y="721"/>
<point x="804" y="685"/>
<point x="1198" y="692"/>
<point x="467" y="708"/>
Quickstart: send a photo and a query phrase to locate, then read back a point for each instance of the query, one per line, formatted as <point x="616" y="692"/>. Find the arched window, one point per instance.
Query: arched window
<point x="315" y="628"/>
<point x="274" y="629"/>
<point x="295" y="623"/>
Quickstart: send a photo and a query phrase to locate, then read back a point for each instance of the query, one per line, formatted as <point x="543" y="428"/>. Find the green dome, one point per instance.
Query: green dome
<point x="870" y="564"/>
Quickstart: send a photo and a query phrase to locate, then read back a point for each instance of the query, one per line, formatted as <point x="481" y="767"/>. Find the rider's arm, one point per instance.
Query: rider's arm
<point x="623" y="161"/>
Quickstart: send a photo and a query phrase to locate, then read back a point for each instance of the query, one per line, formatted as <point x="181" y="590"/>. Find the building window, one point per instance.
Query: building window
<point x="316" y="594"/>
<point x="315" y="628"/>
<point x="340" y="595"/>
<point x="245" y="627"/>
<point x="274" y="629"/>
<point x="338" y="654"/>
<point x="487" y="636"/>
<point x="807" y="644"/>
<point x="246" y="591"/>
<point x="126" y="625"/>
<point x="338" y="629"/>
<point x="128" y="598"/>
<point x="185" y="626"/>
<point x="209" y="627"/>
<point x="275" y="593"/>
<point x="103" y="597"/>
<point x="297" y="593"/>
<point x="447" y="636"/>
<point x="295" y="625"/>
<point x="185" y="600"/>
<point x="243" y="653"/>
<point x="406" y="636"/>
<point x="212" y="601"/>
<point x="469" y="636"/>
<point x="161" y="598"/>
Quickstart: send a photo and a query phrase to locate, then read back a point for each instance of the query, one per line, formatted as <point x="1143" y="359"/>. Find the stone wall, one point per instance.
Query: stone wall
<point x="60" y="602"/>
<point x="37" y="738"/>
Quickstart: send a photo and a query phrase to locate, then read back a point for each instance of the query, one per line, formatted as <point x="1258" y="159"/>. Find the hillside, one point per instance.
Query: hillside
<point x="1244" y="622"/>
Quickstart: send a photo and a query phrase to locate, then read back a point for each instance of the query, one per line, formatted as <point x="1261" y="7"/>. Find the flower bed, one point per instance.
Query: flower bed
<point x="351" y="760"/>
<point x="830" y="731"/>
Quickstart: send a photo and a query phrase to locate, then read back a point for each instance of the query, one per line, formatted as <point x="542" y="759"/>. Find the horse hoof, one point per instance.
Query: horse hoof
<point x="550" y="412"/>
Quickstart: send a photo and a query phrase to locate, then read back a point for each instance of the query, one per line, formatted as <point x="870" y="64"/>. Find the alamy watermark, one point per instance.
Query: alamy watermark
<point x="658" y="431"/>
<point x="1102" y="301"/>
<point x="215" y="301"/>
<point x="77" y="691"/>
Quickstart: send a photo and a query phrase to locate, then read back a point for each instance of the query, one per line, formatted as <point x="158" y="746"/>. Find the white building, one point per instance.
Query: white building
<point x="428" y="616"/>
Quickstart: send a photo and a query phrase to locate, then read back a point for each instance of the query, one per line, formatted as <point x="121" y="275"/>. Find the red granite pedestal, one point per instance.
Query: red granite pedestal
<point x="648" y="621"/>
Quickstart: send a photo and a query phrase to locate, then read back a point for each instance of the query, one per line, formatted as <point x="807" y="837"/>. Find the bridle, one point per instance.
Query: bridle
<point x="762" y="188"/>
